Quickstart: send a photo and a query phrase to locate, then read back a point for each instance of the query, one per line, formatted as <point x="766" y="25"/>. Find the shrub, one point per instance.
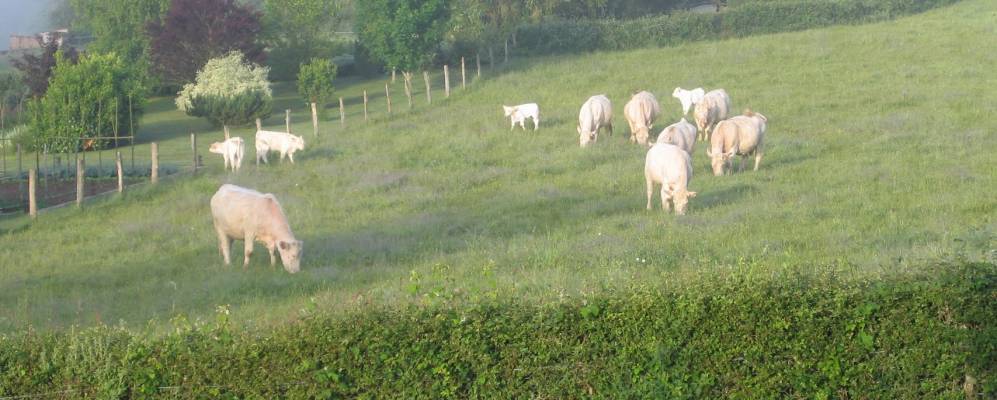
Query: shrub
<point x="86" y="100"/>
<point x="907" y="334"/>
<point x="228" y="91"/>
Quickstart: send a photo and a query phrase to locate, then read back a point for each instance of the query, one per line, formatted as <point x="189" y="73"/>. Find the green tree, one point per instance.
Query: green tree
<point x="85" y="100"/>
<point x="403" y="34"/>
<point x="119" y="26"/>
<point x="299" y="30"/>
<point x="228" y="91"/>
<point x="315" y="85"/>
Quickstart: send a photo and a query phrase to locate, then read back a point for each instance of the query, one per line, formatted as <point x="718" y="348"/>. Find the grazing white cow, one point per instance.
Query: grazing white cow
<point x="285" y="143"/>
<point x="231" y="150"/>
<point x="596" y="113"/>
<point x="741" y="135"/>
<point x="248" y="215"/>
<point x="688" y="98"/>
<point x="640" y="112"/>
<point x="671" y="167"/>
<point x="520" y="113"/>
<point x="681" y="134"/>
<point x="714" y="108"/>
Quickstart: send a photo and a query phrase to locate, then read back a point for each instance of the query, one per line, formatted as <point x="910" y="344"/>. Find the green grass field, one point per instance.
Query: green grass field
<point x="880" y="155"/>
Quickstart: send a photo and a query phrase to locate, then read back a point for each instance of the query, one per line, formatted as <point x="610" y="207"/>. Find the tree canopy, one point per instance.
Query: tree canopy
<point x="195" y="31"/>
<point x="402" y="34"/>
<point x="315" y="80"/>
<point x="228" y="91"/>
<point x="36" y="69"/>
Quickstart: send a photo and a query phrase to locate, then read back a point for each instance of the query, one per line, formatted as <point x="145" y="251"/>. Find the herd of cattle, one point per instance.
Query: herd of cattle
<point x="245" y="214"/>
<point x="669" y="160"/>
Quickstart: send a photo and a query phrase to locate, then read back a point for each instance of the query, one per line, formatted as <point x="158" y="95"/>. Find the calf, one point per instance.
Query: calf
<point x="285" y="143"/>
<point x="232" y="150"/>
<point x="520" y="113"/>
<point x="248" y="215"/>
<point x="688" y="98"/>
<point x="671" y="167"/>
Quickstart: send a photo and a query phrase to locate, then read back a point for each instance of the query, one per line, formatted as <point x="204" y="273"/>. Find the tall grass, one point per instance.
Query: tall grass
<point x="880" y="156"/>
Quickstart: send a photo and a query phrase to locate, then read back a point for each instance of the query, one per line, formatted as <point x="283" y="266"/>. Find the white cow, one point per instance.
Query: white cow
<point x="688" y="98"/>
<point x="596" y="113"/>
<point x="285" y="143"/>
<point x="671" y="167"/>
<point x="681" y="134"/>
<point x="741" y="135"/>
<point x="640" y="112"/>
<point x="520" y="113"/>
<point x="714" y="107"/>
<point x="248" y="215"/>
<point x="231" y="150"/>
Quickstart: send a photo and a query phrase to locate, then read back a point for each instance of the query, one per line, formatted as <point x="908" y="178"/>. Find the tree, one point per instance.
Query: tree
<point x="119" y="26"/>
<point x="36" y="69"/>
<point x="315" y="85"/>
<point x="228" y="91"/>
<point x="86" y="99"/>
<point x="402" y="34"/>
<point x="299" y="30"/>
<point x="195" y="31"/>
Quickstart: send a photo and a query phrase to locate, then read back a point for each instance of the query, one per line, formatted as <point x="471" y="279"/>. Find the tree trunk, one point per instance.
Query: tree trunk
<point x="407" y="76"/>
<point x="314" y="119"/>
<point x="225" y="127"/>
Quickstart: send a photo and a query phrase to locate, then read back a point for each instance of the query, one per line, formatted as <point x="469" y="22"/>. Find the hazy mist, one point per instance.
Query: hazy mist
<point x="22" y="17"/>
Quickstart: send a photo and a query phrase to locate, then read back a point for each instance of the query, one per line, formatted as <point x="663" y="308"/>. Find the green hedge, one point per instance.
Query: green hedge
<point x="748" y="18"/>
<point x="736" y="334"/>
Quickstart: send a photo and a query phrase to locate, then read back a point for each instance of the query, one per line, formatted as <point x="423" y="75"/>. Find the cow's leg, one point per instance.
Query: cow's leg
<point x="224" y="245"/>
<point x="609" y="126"/>
<point x="513" y="127"/>
<point x="250" y="237"/>
<point x="741" y="168"/>
<point x="291" y="157"/>
<point x="758" y="159"/>
<point x="665" y="198"/>
<point x="650" y="192"/>
<point x="273" y="258"/>
<point x="536" y="122"/>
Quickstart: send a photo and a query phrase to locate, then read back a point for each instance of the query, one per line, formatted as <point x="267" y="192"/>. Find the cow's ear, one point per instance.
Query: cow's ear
<point x="692" y="194"/>
<point x="284" y="245"/>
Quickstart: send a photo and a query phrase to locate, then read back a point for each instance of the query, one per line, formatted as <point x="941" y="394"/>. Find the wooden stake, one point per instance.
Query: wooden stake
<point x="446" y="80"/>
<point x="365" y="105"/>
<point x="477" y="60"/>
<point x="193" y="149"/>
<point x="80" y="181"/>
<point x="287" y="120"/>
<point x="463" y="75"/>
<point x="342" y="113"/>
<point x="314" y="119"/>
<point x="225" y="128"/>
<point x="392" y="75"/>
<point x="408" y="87"/>
<point x="387" y="94"/>
<point x="121" y="174"/>
<point x="259" y="125"/>
<point x="506" y="59"/>
<point x="429" y="90"/>
<point x="154" y="175"/>
<point x="32" y="195"/>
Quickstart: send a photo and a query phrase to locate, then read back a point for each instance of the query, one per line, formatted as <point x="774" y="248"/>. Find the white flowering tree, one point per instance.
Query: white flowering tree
<point x="228" y="91"/>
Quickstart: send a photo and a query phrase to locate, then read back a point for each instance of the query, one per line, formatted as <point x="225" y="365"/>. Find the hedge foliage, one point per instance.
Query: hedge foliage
<point x="734" y="334"/>
<point x="744" y="19"/>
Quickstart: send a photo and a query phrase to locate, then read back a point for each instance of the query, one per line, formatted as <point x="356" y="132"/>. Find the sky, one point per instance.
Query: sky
<point x="21" y="17"/>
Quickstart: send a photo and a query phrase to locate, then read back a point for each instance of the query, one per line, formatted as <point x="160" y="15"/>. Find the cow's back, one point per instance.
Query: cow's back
<point x="237" y="210"/>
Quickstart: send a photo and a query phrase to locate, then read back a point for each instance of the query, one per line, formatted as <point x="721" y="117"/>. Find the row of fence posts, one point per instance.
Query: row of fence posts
<point x="81" y="177"/>
<point x="195" y="162"/>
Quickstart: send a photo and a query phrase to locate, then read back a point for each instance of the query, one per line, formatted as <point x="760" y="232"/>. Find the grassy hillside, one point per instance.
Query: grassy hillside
<point x="880" y="156"/>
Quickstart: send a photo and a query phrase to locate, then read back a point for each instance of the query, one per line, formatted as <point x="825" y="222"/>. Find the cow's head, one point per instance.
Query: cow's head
<point x="298" y="142"/>
<point x="718" y="158"/>
<point x="290" y="254"/>
<point x="681" y="200"/>
<point x="584" y="138"/>
<point x="217" y="148"/>
<point x="508" y="110"/>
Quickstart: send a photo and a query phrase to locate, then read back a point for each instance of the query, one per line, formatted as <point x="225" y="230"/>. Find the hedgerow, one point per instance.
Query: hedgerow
<point x="921" y="334"/>
<point x="742" y="19"/>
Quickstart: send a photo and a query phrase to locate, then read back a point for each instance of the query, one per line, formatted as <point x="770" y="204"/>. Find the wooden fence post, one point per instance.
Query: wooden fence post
<point x="446" y="80"/>
<point x="477" y="60"/>
<point x="315" y="119"/>
<point x="287" y="120"/>
<point x="154" y="175"/>
<point x="259" y="125"/>
<point x="463" y="75"/>
<point x="193" y="149"/>
<point x="429" y="89"/>
<point x="121" y="175"/>
<point x="505" y="60"/>
<point x="387" y="94"/>
<point x="392" y="75"/>
<point x="365" y="105"/>
<point x="80" y="181"/>
<point x="342" y="113"/>
<point x="32" y="197"/>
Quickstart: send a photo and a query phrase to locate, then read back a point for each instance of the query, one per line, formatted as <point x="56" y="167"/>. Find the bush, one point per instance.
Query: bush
<point x="86" y="100"/>
<point x="228" y="91"/>
<point x="908" y="334"/>
<point x="743" y="18"/>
